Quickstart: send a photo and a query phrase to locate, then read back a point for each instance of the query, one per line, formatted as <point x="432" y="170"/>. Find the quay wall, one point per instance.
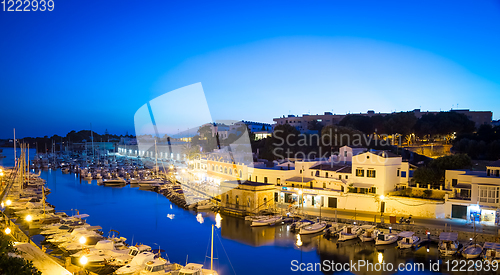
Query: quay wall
<point x="393" y="205"/>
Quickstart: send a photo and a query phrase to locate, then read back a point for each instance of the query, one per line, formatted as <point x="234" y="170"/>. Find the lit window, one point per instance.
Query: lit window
<point x="370" y="173"/>
<point x="360" y="172"/>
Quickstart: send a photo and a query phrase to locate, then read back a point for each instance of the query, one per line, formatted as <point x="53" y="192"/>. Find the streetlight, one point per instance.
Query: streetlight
<point x="301" y="200"/>
<point x="7" y="231"/>
<point x="28" y="219"/>
<point x="8" y="202"/>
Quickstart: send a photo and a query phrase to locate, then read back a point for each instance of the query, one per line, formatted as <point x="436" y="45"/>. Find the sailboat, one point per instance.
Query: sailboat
<point x="197" y="269"/>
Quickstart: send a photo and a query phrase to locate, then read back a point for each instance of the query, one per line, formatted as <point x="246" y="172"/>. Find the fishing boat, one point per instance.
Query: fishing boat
<point x="408" y="239"/>
<point x="267" y="221"/>
<point x="312" y="228"/>
<point x="160" y="266"/>
<point x="369" y="233"/>
<point x="472" y="251"/>
<point x="448" y="243"/>
<point x="385" y="238"/>
<point x="491" y="251"/>
<point x="349" y="232"/>
<point x="299" y="224"/>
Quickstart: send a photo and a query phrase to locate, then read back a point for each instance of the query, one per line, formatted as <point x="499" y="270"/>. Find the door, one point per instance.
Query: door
<point x="332" y="202"/>
<point x="459" y="211"/>
<point x="382" y="207"/>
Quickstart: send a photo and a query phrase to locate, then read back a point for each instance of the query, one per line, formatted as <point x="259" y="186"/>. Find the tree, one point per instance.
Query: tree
<point x="400" y="123"/>
<point x="435" y="170"/>
<point x="358" y="122"/>
<point x="14" y="265"/>
<point x="314" y="125"/>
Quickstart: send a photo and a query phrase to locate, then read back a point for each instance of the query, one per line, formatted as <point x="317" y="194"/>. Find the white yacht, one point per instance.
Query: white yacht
<point x="137" y="264"/>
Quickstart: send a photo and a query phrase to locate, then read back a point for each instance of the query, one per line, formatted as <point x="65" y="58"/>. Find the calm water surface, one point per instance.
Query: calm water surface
<point x="150" y="218"/>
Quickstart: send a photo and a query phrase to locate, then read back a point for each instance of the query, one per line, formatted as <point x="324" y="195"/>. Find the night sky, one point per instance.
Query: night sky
<point x="99" y="61"/>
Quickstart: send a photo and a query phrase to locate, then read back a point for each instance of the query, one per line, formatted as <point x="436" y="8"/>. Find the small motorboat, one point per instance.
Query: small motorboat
<point x="312" y="228"/>
<point x="448" y="243"/>
<point x="204" y="205"/>
<point x="267" y="221"/>
<point x="491" y="251"/>
<point x="472" y="251"/>
<point x="334" y="230"/>
<point x="349" y="232"/>
<point x="385" y="238"/>
<point x="114" y="182"/>
<point x="137" y="264"/>
<point x="368" y="234"/>
<point x="299" y="224"/>
<point x="196" y="269"/>
<point x="162" y="266"/>
<point x="408" y="239"/>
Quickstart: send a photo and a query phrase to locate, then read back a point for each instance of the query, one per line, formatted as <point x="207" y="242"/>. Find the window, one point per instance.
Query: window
<point x="340" y="177"/>
<point x="370" y="173"/>
<point x="227" y="198"/>
<point x="250" y="177"/>
<point x="326" y="175"/>
<point x="265" y="179"/>
<point x="360" y="172"/>
<point x="488" y="172"/>
<point x="345" y="153"/>
<point x="373" y="190"/>
<point x="256" y="179"/>
<point x="403" y="174"/>
<point x="220" y="169"/>
<point x="213" y="168"/>
<point x="301" y="171"/>
<point x="248" y="202"/>
<point x="346" y="176"/>
<point x="488" y="194"/>
<point x="278" y="180"/>
<point x="497" y="173"/>
<point x="241" y="174"/>
<point x="342" y="188"/>
<point x="324" y="184"/>
<point x="454" y="182"/>
<point x="311" y="173"/>
<point x="225" y="170"/>
<point x="397" y="174"/>
<point x="230" y="171"/>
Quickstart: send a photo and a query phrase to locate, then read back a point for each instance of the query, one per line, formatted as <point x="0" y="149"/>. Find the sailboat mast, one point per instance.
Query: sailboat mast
<point x="212" y="252"/>
<point x="15" y="155"/>
<point x="156" y="159"/>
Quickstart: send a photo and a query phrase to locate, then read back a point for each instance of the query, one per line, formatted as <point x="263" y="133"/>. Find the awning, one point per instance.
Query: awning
<point x="362" y="185"/>
<point x="463" y="186"/>
<point x="300" y="179"/>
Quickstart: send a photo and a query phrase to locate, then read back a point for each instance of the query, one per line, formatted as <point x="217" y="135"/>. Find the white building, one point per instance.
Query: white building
<point x="475" y="195"/>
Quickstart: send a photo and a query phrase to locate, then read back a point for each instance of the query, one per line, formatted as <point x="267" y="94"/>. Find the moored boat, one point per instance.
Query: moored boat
<point x="408" y="239"/>
<point x="312" y="228"/>
<point x="448" y="243"/>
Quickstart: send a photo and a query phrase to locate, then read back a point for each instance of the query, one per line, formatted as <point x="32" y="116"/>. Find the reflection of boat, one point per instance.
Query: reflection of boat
<point x="268" y="221"/>
<point x="472" y="251"/>
<point x="313" y="228"/>
<point x="349" y="232"/>
<point x="491" y="251"/>
<point x="408" y="239"/>
<point x="385" y="238"/>
<point x="448" y="243"/>
<point x="369" y="233"/>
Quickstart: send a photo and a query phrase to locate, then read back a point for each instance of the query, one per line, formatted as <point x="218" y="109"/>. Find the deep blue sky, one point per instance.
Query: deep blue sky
<point x="99" y="61"/>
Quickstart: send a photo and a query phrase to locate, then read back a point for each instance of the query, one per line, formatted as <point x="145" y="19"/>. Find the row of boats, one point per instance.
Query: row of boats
<point x="85" y="244"/>
<point x="448" y="241"/>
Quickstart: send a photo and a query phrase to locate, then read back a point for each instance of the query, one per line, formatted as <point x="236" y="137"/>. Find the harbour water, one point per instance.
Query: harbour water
<point x="150" y="218"/>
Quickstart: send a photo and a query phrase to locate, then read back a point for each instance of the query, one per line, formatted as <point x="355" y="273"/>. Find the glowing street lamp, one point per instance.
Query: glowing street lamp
<point x="8" y="202"/>
<point x="28" y="218"/>
<point x="82" y="240"/>
<point x="83" y="261"/>
<point x="7" y="231"/>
